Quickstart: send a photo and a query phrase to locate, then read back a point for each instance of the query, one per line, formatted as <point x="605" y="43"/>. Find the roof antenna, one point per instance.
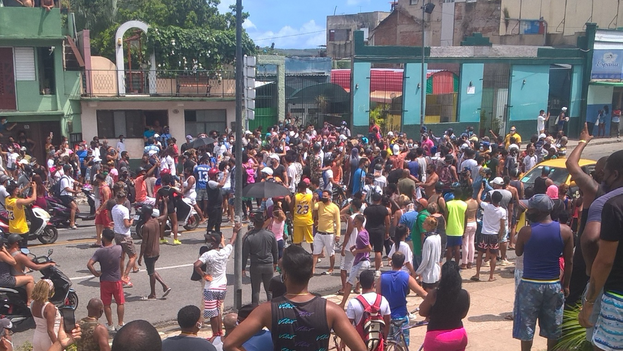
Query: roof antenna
<point x="334" y="10"/>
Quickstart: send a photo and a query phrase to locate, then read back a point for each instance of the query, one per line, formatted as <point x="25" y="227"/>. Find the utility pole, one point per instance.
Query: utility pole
<point x="238" y="153"/>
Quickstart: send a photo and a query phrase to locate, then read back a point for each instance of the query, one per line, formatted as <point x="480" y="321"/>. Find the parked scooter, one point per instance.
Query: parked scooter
<point x="61" y="213"/>
<point x="38" y="220"/>
<point x="13" y="300"/>
<point x="186" y="217"/>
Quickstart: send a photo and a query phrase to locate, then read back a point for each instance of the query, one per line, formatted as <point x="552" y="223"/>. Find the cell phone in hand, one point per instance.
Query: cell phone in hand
<point x="69" y="319"/>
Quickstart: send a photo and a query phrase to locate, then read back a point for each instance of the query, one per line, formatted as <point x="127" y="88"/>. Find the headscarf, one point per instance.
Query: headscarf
<point x="552" y="192"/>
<point x="354" y="158"/>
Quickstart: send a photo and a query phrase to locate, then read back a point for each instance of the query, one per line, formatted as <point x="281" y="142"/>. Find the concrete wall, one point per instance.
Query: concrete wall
<point x="567" y="19"/>
<point x="400" y="28"/>
<point x="344" y="49"/>
<point x="30" y="23"/>
<point x="175" y="111"/>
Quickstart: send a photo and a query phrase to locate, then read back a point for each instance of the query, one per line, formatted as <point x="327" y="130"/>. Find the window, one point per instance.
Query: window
<point x="45" y="65"/>
<point x="204" y="121"/>
<point x="331" y="34"/>
<point x="413" y="2"/>
<point x="130" y="123"/>
<point x="25" y="64"/>
<point x="341" y="35"/>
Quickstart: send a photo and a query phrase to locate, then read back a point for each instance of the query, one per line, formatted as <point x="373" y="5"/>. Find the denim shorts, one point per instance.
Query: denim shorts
<point x="394" y="328"/>
<point x="538" y="300"/>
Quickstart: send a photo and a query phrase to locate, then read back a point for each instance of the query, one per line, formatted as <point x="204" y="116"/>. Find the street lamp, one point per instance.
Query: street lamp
<point x="426" y="8"/>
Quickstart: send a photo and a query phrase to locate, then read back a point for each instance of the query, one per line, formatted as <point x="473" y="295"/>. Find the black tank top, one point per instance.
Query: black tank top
<point x="540" y="185"/>
<point x="215" y="197"/>
<point x="300" y="326"/>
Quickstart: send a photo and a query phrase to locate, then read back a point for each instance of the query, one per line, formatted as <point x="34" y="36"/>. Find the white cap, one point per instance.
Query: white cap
<point x="343" y="137"/>
<point x="152" y="152"/>
<point x="497" y="181"/>
<point x="396" y="149"/>
<point x="23" y="162"/>
<point x="267" y="170"/>
<point x="248" y="132"/>
<point x="275" y="157"/>
<point x="542" y="136"/>
<point x="390" y="134"/>
<point x="292" y="134"/>
<point x="156" y="135"/>
<point x="564" y="109"/>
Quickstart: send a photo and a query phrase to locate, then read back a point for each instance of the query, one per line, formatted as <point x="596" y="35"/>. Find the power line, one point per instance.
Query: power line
<point x="292" y="35"/>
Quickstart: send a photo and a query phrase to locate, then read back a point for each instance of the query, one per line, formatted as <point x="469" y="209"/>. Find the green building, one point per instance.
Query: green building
<point x="40" y="75"/>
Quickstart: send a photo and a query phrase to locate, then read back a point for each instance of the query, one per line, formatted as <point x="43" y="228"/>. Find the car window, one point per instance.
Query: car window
<point x="557" y="175"/>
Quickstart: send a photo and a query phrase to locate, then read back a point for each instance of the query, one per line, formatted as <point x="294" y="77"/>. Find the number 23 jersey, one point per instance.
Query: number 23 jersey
<point x="303" y="209"/>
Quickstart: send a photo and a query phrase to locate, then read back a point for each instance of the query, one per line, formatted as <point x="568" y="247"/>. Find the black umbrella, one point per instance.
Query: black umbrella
<point x="199" y="142"/>
<point x="264" y="190"/>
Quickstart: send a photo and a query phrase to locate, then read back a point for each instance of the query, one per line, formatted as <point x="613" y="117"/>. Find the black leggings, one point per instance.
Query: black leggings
<point x="261" y="273"/>
<point x="215" y="217"/>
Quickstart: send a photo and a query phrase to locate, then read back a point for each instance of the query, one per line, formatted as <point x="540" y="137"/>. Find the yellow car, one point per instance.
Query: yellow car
<point x="558" y="174"/>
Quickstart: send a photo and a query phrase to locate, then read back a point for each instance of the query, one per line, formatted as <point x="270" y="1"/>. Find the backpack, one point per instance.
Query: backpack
<point x="195" y="276"/>
<point x="445" y="176"/>
<point x="131" y="191"/>
<point x="371" y="325"/>
<point x="56" y="188"/>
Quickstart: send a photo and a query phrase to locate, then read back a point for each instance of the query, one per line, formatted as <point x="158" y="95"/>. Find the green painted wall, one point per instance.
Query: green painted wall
<point x="529" y="92"/>
<point x="361" y="96"/>
<point x="30" y="23"/>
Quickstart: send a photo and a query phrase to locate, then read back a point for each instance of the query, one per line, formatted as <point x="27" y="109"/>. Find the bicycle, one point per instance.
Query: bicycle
<point x="397" y="341"/>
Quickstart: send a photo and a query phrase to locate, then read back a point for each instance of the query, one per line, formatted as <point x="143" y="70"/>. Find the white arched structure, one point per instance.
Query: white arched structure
<point x="119" y="57"/>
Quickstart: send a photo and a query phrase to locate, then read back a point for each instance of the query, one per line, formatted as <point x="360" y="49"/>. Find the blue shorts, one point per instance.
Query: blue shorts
<point x="396" y="323"/>
<point x="538" y="300"/>
<point x="454" y="241"/>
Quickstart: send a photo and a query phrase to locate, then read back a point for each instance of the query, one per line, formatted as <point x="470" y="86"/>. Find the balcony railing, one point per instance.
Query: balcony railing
<point x="104" y="83"/>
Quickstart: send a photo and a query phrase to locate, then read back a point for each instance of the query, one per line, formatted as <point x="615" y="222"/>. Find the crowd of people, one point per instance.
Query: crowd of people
<point x="414" y="202"/>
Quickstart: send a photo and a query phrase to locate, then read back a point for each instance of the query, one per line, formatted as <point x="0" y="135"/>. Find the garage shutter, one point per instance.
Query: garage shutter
<point x="24" y="63"/>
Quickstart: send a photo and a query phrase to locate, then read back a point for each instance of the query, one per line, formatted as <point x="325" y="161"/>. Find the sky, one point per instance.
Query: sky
<point x="297" y="24"/>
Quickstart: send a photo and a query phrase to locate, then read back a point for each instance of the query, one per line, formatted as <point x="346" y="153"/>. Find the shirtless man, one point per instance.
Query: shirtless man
<point x="470" y="233"/>
<point x="431" y="179"/>
<point x="47" y="4"/>
<point x="512" y="214"/>
<point x="26" y="3"/>
<point x="22" y="261"/>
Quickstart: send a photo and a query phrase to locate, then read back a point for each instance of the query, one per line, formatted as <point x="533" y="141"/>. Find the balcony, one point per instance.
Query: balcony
<point x="160" y="83"/>
<point x="19" y="23"/>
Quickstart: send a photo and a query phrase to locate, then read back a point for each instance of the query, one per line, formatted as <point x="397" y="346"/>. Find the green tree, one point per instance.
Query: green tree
<point x="185" y="34"/>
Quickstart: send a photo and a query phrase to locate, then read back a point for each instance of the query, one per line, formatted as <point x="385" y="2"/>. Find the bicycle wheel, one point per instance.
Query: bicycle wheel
<point x="392" y="345"/>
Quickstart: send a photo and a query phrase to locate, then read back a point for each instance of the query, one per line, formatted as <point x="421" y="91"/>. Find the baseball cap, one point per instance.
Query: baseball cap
<point x="542" y="136"/>
<point x="498" y="181"/>
<point x="274" y="157"/>
<point x="513" y="129"/>
<point x="267" y="170"/>
<point x="4" y="178"/>
<point x="564" y="109"/>
<point x="189" y="137"/>
<point x="123" y="169"/>
<point x="395" y="149"/>
<point x="539" y="202"/>
<point x="5" y="323"/>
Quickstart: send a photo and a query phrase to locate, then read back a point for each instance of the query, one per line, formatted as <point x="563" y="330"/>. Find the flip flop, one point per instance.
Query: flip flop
<point x="148" y="298"/>
<point x="326" y="273"/>
<point x="135" y="270"/>
<point x="475" y="278"/>
<point x="492" y="279"/>
<point x="339" y="292"/>
<point x="166" y="292"/>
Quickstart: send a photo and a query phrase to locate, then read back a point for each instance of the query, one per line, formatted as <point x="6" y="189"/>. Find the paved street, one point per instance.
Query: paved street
<point x="72" y="252"/>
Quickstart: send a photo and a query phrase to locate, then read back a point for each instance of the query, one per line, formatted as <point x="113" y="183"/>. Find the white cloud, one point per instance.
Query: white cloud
<point x="223" y="7"/>
<point x="247" y="24"/>
<point x="309" y="35"/>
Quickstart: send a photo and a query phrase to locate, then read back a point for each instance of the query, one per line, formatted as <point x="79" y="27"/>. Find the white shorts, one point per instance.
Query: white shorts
<point x="148" y="201"/>
<point x="353" y="277"/>
<point x="322" y="241"/>
<point x="347" y="261"/>
<point x="192" y="197"/>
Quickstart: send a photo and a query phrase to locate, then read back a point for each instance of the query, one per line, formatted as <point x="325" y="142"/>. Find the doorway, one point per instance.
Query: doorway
<point x="7" y="80"/>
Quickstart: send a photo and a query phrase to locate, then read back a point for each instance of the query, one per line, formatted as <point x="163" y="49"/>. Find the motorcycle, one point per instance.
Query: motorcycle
<point x="61" y="213"/>
<point x="13" y="300"/>
<point x="186" y="217"/>
<point x="39" y="226"/>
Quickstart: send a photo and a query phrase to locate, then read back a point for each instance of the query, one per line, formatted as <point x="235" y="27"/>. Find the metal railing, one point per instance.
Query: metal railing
<point x="104" y="83"/>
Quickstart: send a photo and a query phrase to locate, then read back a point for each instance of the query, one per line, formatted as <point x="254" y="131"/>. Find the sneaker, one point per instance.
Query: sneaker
<point x="485" y="264"/>
<point x="110" y="328"/>
<point x="377" y="274"/>
<point x="164" y="241"/>
<point x="177" y="242"/>
<point x="118" y="327"/>
<point x="73" y="227"/>
<point x="505" y="263"/>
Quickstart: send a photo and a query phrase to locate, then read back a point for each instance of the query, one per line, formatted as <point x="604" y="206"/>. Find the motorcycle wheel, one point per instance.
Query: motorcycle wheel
<point x="72" y="300"/>
<point x="49" y="235"/>
<point x="193" y="222"/>
<point x="139" y="230"/>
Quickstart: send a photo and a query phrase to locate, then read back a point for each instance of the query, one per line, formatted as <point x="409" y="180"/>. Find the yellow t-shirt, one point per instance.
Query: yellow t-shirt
<point x="17" y="217"/>
<point x="328" y="218"/>
<point x="303" y="209"/>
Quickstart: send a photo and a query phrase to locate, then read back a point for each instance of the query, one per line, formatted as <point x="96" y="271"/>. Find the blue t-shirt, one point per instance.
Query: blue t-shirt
<point x="408" y="219"/>
<point x="395" y="287"/>
<point x="414" y="168"/>
<point x="201" y="175"/>
<point x="149" y="133"/>
<point x="358" y="178"/>
<point x="261" y="341"/>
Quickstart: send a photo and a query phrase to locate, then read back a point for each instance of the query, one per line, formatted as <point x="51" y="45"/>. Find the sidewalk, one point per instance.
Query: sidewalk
<point x="595" y="141"/>
<point x="487" y="329"/>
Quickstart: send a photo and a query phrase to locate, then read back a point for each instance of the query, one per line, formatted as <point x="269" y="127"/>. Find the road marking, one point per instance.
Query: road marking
<point x="88" y="240"/>
<point x="141" y="270"/>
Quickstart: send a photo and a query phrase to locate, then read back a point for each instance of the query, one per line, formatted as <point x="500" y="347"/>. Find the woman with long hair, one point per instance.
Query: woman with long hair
<point x="445" y="307"/>
<point x="46" y="315"/>
<point x="41" y="192"/>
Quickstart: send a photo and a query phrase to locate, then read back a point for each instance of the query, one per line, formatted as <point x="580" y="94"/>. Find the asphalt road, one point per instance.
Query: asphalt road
<point x="72" y="252"/>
